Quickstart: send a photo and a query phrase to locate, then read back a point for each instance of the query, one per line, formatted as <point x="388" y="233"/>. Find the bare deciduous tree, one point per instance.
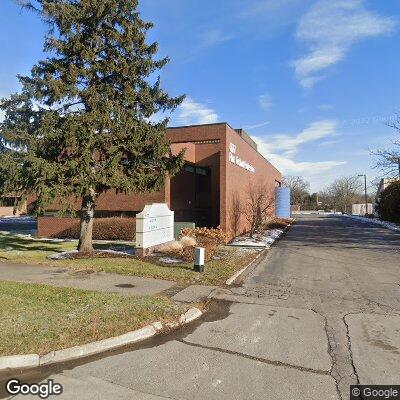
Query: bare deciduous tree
<point x="299" y="189"/>
<point x="258" y="205"/>
<point x="235" y="212"/>
<point x="388" y="160"/>
<point x="342" y="193"/>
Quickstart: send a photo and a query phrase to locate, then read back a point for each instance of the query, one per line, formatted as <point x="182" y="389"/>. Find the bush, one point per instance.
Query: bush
<point x="389" y="203"/>
<point x="215" y="235"/>
<point x="187" y="241"/>
<point x="279" y="223"/>
<point x="104" y="229"/>
<point x="174" y="248"/>
<point x="210" y="239"/>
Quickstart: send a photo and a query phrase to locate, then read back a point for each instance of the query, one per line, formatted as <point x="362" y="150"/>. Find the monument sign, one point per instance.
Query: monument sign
<point x="154" y="226"/>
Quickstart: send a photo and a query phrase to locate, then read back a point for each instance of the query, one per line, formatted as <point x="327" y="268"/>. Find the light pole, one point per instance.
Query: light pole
<point x="365" y="192"/>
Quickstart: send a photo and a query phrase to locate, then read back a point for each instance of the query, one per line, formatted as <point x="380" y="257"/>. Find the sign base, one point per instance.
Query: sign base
<point x="199" y="268"/>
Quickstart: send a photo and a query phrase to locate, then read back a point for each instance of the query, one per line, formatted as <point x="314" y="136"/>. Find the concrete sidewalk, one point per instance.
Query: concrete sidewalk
<point x="99" y="281"/>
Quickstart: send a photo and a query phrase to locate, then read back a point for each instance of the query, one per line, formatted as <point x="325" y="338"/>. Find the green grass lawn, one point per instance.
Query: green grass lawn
<point x="20" y="249"/>
<point x="217" y="271"/>
<point x="39" y="318"/>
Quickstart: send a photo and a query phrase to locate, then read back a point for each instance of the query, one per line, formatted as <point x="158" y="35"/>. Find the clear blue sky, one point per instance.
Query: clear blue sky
<point x="313" y="81"/>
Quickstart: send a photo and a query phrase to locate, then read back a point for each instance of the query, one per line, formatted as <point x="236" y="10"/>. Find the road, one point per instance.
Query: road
<point x="321" y="312"/>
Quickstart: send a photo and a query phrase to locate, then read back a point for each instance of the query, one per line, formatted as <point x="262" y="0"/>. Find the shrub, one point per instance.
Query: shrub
<point x="174" y="248"/>
<point x="216" y="235"/>
<point x="278" y="223"/>
<point x="187" y="241"/>
<point x="209" y="238"/>
<point x="389" y="203"/>
<point x="104" y="229"/>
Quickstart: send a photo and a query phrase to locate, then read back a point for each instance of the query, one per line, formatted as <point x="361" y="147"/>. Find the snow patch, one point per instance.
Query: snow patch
<point x="12" y="220"/>
<point x="169" y="260"/>
<point x="316" y="213"/>
<point x="389" y="225"/>
<point x="62" y="255"/>
<point x="264" y="239"/>
<point x="66" y="254"/>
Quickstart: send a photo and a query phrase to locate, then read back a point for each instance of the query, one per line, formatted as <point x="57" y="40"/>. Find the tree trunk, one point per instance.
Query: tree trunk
<point x="85" y="244"/>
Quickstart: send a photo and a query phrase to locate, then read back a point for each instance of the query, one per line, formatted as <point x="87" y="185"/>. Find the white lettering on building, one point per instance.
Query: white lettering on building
<point x="234" y="159"/>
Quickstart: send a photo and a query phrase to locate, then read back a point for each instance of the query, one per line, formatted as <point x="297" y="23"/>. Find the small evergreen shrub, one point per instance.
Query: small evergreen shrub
<point x="389" y="203"/>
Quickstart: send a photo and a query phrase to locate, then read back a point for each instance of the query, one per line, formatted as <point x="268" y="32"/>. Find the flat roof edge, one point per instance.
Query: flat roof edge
<point x="198" y="125"/>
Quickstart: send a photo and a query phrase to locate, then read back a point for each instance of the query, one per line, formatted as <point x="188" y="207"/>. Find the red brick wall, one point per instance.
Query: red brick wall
<point x="239" y="179"/>
<point x="190" y="150"/>
<point x="226" y="178"/>
<point x="196" y="133"/>
<point x="111" y="201"/>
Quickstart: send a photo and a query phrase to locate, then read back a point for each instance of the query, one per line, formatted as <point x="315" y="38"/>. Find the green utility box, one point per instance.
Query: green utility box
<point x="178" y="226"/>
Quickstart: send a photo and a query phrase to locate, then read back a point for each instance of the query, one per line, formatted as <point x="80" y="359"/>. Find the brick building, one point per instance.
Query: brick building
<point x="221" y="162"/>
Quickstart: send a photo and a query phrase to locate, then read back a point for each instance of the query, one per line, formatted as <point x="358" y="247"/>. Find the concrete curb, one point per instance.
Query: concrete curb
<point x="234" y="277"/>
<point x="72" y="353"/>
<point x="19" y="361"/>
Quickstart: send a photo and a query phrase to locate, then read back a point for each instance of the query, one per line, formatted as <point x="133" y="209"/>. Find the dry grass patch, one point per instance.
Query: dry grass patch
<point x="224" y="263"/>
<point x="39" y="318"/>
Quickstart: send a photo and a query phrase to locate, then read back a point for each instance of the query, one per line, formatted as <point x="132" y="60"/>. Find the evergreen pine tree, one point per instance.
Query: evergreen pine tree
<point x="81" y="124"/>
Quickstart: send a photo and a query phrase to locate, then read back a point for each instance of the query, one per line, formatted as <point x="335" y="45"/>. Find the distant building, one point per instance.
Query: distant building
<point x="7" y="208"/>
<point x="359" y="209"/>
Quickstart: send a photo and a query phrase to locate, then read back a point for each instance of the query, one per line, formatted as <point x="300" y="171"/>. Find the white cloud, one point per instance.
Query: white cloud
<point x="260" y="125"/>
<point x="265" y="101"/>
<point x="328" y="143"/>
<point x="315" y="131"/>
<point x="280" y="151"/>
<point x="214" y="37"/>
<point x="190" y="113"/>
<point x="330" y="28"/>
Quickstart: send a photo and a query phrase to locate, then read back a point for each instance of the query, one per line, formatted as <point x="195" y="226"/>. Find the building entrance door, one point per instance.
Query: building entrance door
<point x="191" y="195"/>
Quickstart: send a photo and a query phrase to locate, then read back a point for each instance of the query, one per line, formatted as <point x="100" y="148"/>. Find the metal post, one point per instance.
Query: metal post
<point x="199" y="259"/>
<point x="366" y="196"/>
<point x="365" y="193"/>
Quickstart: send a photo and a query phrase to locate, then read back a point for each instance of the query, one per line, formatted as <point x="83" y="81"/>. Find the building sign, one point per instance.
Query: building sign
<point x="234" y="159"/>
<point x="154" y="226"/>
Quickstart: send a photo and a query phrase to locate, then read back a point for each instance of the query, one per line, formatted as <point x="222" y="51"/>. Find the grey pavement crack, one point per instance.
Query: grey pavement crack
<point x="333" y="371"/>
<point x="262" y="360"/>
<point x="349" y="347"/>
